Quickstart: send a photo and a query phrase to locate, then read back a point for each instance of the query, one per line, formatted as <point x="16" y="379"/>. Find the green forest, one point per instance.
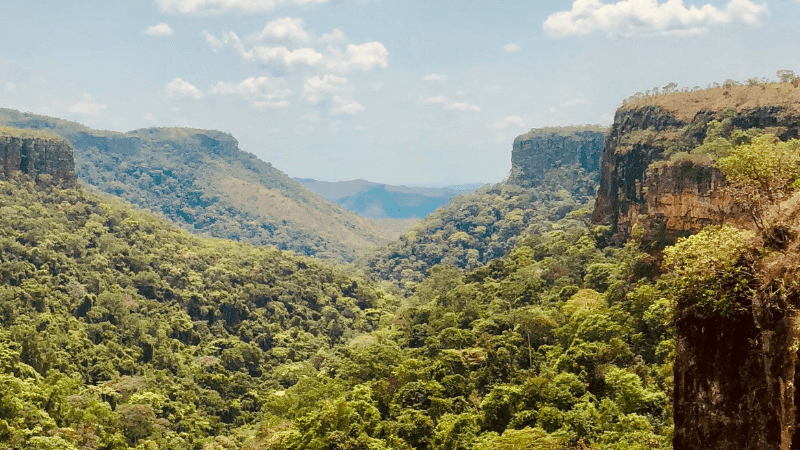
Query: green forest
<point x="505" y="320"/>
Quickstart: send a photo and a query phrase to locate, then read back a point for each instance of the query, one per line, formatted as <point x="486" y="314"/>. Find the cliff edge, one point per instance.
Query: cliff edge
<point x="45" y="157"/>
<point x="647" y="172"/>
<point x="543" y="149"/>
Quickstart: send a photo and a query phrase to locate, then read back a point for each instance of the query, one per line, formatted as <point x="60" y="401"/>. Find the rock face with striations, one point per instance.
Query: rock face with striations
<point x="638" y="182"/>
<point x="734" y="376"/>
<point x="543" y="149"/>
<point x="46" y="158"/>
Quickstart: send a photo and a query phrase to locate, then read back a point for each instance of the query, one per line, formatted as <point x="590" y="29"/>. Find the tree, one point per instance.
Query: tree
<point x="761" y="174"/>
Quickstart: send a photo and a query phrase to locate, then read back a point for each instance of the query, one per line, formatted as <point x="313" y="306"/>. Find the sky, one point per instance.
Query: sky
<point x="415" y="92"/>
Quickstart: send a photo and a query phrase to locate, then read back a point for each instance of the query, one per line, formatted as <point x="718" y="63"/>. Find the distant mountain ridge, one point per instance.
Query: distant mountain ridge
<point x="201" y="180"/>
<point x="379" y="201"/>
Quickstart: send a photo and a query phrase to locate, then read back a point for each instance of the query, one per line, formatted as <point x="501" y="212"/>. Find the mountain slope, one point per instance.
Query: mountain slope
<point x="483" y="225"/>
<point x="378" y="200"/>
<point x="202" y="181"/>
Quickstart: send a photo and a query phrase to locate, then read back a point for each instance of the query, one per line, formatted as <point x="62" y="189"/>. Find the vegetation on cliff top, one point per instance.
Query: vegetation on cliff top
<point x="754" y="93"/>
<point x="30" y="134"/>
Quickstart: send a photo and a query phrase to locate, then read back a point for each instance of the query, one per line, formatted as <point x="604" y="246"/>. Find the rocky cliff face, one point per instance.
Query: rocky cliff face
<point x="48" y="160"/>
<point x="681" y="196"/>
<point x="734" y="375"/>
<point x="543" y="149"/>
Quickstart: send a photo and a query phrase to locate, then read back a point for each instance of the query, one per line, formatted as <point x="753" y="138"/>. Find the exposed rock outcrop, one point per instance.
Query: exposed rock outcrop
<point x="734" y="374"/>
<point x="46" y="158"/>
<point x="682" y="196"/>
<point x="543" y="149"/>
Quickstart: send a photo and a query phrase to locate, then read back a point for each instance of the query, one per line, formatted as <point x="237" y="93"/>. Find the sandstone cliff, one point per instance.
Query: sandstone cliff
<point x="543" y="149"/>
<point x="44" y="157"/>
<point x="638" y="182"/>
<point x="734" y="375"/>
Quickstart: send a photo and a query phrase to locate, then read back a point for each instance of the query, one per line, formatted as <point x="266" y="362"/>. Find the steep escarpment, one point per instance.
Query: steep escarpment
<point x="44" y="157"/>
<point x="543" y="149"/>
<point x="650" y="171"/>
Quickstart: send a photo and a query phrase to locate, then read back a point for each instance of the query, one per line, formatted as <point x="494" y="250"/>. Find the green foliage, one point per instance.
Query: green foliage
<point x="202" y="181"/>
<point x="476" y="228"/>
<point x="761" y="174"/>
<point x="707" y="271"/>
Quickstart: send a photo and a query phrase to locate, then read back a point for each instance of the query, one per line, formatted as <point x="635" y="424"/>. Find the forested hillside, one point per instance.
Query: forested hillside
<point x="554" y="172"/>
<point x="118" y="328"/>
<point x="121" y="331"/>
<point x="200" y="180"/>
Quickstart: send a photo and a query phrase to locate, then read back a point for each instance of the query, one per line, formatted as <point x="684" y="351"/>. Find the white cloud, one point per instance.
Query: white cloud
<point x="283" y="29"/>
<point x="461" y="106"/>
<point x="10" y="87"/>
<point x="261" y="92"/>
<point x="434" y="77"/>
<point x="181" y="89"/>
<point x="648" y="17"/>
<point x="162" y="29"/>
<point x="317" y="89"/>
<point x="508" y="122"/>
<point x="438" y="100"/>
<point x="214" y="7"/>
<point x="345" y="106"/>
<point x="87" y="107"/>
<point x="366" y="57"/>
<point x="511" y="48"/>
<point x="215" y="43"/>
<point x="337" y="37"/>
<point x="283" y="57"/>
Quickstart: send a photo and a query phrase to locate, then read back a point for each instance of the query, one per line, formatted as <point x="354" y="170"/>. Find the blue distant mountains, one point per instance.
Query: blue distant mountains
<point x="378" y="201"/>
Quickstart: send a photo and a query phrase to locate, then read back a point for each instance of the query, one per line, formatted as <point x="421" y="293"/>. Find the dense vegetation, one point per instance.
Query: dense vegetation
<point x="200" y="180"/>
<point x="478" y="227"/>
<point x="119" y="330"/>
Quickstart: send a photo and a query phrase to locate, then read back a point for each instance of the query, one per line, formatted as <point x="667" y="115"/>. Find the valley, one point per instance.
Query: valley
<point x="625" y="287"/>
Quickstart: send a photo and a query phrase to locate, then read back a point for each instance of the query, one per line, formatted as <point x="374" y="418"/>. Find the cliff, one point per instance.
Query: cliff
<point x="543" y="149"/>
<point x="647" y="174"/>
<point x="735" y="368"/>
<point x="45" y="157"/>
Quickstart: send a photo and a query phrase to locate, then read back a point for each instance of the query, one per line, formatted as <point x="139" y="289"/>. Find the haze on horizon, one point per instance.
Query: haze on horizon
<point x="413" y="92"/>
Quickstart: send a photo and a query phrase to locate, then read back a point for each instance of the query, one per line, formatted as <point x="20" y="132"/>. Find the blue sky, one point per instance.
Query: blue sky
<point x="415" y="92"/>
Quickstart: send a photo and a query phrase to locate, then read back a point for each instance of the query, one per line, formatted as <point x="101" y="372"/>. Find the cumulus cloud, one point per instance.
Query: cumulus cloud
<point x="87" y="107"/>
<point x="214" y="7"/>
<point x="283" y="29"/>
<point x="283" y="57"/>
<point x="648" y="17"/>
<point x="434" y="77"/>
<point x="508" y="122"/>
<point x="344" y="106"/>
<point x="511" y="48"/>
<point x="461" y="106"/>
<point x="365" y="57"/>
<point x="213" y="42"/>
<point x="261" y="92"/>
<point x="10" y="87"/>
<point x="162" y="29"/>
<point x="317" y="89"/>
<point x="181" y="89"/>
